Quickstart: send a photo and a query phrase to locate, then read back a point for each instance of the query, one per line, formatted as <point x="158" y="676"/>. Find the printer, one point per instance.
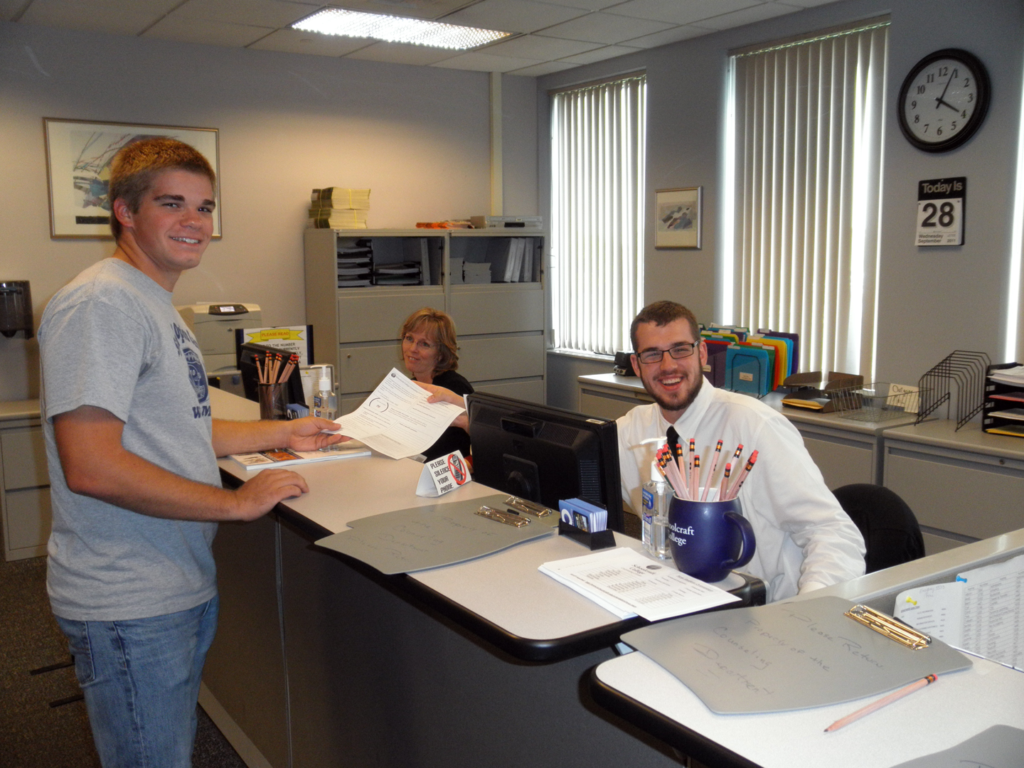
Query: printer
<point x="214" y="326"/>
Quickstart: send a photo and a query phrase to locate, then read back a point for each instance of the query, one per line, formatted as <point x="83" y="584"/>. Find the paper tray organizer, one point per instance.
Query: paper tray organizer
<point x="811" y="391"/>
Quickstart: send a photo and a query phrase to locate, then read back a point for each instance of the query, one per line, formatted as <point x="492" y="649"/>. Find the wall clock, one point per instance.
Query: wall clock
<point x="944" y="100"/>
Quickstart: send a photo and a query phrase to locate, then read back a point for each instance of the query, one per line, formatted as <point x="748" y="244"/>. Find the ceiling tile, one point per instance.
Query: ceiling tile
<point x="605" y="28"/>
<point x="600" y="54"/>
<point x="119" y="17"/>
<point x="587" y="5"/>
<point x="539" y="48"/>
<point x="513" y="15"/>
<point x="543" y="69"/>
<point x="294" y="41"/>
<point x="680" y="11"/>
<point x="482" y="62"/>
<point x="259" y="13"/>
<point x="401" y="53"/>
<point x="749" y="15"/>
<point x="673" y="35"/>
<point x="206" y="32"/>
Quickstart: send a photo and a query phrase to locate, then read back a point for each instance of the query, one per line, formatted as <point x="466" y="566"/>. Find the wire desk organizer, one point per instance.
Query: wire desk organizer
<point x="966" y="370"/>
<point x="873" y="403"/>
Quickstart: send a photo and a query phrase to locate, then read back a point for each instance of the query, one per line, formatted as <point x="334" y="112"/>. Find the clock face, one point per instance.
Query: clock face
<point x="943" y="100"/>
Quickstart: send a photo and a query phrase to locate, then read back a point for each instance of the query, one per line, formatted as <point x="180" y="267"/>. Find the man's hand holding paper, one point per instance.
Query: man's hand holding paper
<point x="397" y="419"/>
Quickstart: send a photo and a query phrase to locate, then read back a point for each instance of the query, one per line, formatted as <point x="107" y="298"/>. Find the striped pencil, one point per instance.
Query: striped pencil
<point x="711" y="471"/>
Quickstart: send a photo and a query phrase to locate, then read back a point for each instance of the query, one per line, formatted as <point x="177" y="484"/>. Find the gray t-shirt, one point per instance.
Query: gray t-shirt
<point x="111" y="338"/>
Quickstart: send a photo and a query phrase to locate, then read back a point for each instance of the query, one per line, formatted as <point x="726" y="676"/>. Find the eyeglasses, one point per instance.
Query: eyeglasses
<point x="678" y="352"/>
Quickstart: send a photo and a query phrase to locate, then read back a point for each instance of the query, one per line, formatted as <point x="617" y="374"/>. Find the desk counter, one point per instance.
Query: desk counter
<point x="320" y="659"/>
<point x="959" y="706"/>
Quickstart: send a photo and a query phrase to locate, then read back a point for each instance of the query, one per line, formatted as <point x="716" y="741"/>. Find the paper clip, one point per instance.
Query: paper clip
<point x="508" y="518"/>
<point x="529" y="507"/>
<point x="890" y="627"/>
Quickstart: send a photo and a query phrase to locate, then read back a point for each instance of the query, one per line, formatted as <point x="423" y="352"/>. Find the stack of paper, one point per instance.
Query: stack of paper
<point x="339" y="208"/>
<point x="1012" y="376"/>
<point x="402" y="273"/>
<point x="627" y="583"/>
<point x="355" y="265"/>
<point x="476" y="273"/>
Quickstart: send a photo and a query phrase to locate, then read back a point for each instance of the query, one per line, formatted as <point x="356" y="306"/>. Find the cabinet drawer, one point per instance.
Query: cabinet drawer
<point x="362" y="368"/>
<point x="27" y="517"/>
<point x="24" y="458"/>
<point x="501" y="357"/>
<point x="531" y="390"/>
<point x="498" y="309"/>
<point x="376" y="316"/>
<point x="952" y="495"/>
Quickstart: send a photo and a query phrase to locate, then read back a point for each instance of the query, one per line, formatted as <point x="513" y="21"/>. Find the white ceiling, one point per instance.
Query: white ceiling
<point x="550" y="35"/>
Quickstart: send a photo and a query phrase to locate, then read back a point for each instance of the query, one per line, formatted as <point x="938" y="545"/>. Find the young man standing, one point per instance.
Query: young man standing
<point x="132" y="446"/>
<point x="804" y="539"/>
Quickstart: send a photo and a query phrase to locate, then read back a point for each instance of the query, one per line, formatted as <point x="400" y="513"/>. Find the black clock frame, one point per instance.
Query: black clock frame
<point x="984" y="90"/>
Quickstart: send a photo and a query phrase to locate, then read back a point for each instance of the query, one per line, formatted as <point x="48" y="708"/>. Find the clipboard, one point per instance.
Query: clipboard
<point x="787" y="656"/>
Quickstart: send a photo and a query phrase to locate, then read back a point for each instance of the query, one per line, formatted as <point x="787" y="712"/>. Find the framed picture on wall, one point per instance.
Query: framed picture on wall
<point x="677" y="217"/>
<point x="78" y="155"/>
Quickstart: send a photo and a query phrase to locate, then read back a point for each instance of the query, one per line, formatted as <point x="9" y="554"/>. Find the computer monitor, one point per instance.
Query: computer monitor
<point x="247" y="354"/>
<point x="545" y="454"/>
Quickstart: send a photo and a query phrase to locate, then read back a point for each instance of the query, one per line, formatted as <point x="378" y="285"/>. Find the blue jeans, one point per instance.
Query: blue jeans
<point x="141" y="684"/>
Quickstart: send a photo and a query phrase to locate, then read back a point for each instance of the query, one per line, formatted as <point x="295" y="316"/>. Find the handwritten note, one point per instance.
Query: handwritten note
<point x="786" y="656"/>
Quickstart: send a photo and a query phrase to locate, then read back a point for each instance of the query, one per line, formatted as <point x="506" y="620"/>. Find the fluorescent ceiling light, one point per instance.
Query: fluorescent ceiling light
<point x="394" y="29"/>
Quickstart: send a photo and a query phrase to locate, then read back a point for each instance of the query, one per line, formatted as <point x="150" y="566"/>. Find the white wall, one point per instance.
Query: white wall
<point x="932" y="300"/>
<point x="418" y="137"/>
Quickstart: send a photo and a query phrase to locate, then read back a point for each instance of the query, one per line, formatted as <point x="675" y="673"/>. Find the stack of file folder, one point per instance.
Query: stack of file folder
<point x="355" y="265"/>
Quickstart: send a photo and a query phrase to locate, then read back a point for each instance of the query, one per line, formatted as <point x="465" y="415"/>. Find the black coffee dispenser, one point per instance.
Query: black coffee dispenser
<point x="15" y="308"/>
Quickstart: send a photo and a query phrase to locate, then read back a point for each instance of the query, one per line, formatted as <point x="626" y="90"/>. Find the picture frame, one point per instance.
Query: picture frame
<point x="78" y="155"/>
<point x="677" y="217"/>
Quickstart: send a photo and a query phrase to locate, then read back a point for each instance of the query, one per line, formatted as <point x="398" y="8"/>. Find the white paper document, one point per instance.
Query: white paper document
<point x="628" y="584"/>
<point x="981" y="612"/>
<point x="396" y="418"/>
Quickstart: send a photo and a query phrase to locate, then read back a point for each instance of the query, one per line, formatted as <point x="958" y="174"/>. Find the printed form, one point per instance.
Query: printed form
<point x="396" y="418"/>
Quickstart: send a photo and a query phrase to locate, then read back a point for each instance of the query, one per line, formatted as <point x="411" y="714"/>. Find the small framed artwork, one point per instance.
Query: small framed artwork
<point x="78" y="155"/>
<point x="677" y="217"/>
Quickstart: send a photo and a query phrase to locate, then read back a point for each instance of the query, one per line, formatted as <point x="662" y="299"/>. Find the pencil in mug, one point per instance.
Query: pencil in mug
<point x="734" y="491"/>
<point x="711" y="471"/>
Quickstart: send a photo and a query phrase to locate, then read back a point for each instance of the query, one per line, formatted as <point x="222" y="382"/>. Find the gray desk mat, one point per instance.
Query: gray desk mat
<point x="416" y="539"/>
<point x="1000" y="746"/>
<point x="786" y="656"/>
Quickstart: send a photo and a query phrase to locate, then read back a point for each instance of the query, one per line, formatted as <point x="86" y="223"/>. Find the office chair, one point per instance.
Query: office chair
<point x="891" y="532"/>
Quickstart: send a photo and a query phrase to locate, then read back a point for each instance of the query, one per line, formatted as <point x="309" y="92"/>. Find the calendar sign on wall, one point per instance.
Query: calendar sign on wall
<point x="940" y="211"/>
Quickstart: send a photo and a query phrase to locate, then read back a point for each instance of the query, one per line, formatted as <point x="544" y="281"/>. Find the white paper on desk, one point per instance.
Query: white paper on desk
<point x="396" y="418"/>
<point x="626" y="583"/>
<point x="981" y="612"/>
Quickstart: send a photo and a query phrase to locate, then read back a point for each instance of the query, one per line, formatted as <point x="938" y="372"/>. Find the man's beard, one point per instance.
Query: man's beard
<point x="686" y="402"/>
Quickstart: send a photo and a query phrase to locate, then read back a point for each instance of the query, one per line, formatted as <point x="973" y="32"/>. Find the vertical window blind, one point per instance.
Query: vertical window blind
<point x="597" y="200"/>
<point x="804" y="177"/>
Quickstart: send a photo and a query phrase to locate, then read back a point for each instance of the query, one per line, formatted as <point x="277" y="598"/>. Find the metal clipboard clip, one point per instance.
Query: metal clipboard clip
<point x="890" y="627"/>
<point x="528" y="507"/>
<point x="508" y="518"/>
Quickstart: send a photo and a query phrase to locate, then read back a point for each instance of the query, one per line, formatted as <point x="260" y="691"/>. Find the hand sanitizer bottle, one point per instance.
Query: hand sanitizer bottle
<point x="323" y="405"/>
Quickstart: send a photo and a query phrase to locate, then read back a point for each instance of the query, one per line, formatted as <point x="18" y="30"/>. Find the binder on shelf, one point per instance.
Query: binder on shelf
<point x="714" y="369"/>
<point x="747" y="370"/>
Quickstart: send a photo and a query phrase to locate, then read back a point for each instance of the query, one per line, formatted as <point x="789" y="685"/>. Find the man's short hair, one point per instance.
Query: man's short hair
<point x="662" y="313"/>
<point x="428" y="319"/>
<point x="136" y="165"/>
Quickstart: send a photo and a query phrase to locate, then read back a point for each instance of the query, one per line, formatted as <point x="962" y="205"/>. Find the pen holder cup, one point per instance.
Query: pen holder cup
<point x="273" y="401"/>
<point x="709" y="539"/>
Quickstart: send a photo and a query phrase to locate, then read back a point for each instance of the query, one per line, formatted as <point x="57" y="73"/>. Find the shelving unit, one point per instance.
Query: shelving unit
<point x="1004" y="404"/>
<point x="501" y="326"/>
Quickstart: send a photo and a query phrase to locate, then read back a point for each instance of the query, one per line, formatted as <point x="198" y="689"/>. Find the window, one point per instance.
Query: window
<point x="597" y="201"/>
<point x="803" y="193"/>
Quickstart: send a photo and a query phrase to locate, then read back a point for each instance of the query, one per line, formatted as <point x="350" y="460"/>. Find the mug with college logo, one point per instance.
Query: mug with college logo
<point x="709" y="539"/>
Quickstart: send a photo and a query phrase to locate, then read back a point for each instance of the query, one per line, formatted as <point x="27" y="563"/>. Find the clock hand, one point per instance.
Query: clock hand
<point x="945" y="104"/>
<point x="939" y="100"/>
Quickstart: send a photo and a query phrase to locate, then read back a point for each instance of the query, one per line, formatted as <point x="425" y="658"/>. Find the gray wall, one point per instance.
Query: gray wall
<point x="418" y="137"/>
<point x="932" y="300"/>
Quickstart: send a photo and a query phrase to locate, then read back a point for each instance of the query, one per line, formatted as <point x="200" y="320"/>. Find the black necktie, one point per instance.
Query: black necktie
<point x="672" y="442"/>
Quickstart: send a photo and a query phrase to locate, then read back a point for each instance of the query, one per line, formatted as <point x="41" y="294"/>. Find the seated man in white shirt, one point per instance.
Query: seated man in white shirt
<point x="804" y="539"/>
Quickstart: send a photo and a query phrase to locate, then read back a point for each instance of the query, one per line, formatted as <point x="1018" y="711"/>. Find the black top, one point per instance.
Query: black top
<point x="453" y="438"/>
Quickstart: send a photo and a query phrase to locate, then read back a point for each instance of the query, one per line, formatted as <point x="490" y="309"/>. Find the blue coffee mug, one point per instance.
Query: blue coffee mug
<point x="708" y="539"/>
